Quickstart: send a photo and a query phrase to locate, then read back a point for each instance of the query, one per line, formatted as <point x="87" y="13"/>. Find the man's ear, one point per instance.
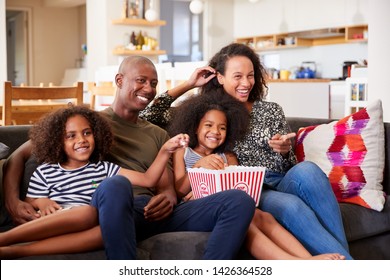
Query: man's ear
<point x="118" y="80"/>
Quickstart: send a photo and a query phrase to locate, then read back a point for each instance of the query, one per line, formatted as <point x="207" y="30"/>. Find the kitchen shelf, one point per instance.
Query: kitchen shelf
<point x="138" y="21"/>
<point x="123" y="51"/>
<point x="358" y="33"/>
<point x="308" y="38"/>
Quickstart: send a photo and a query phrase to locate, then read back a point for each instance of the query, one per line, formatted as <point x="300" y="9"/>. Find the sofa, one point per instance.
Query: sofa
<point x="368" y="231"/>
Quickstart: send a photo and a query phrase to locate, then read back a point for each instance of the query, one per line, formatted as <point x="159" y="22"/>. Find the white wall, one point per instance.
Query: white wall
<point x="103" y="36"/>
<point x="3" y="50"/>
<point x="56" y="41"/>
<point x="277" y="16"/>
<point x="218" y="23"/>
<point x="379" y="55"/>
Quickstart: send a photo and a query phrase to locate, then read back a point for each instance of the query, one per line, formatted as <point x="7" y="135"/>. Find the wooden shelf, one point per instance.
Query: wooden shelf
<point x="123" y="51"/>
<point x="138" y="21"/>
<point x="357" y="33"/>
<point x="120" y="50"/>
<point x="308" y="38"/>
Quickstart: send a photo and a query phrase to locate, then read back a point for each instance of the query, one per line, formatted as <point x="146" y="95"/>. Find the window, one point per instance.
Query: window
<point x="182" y="36"/>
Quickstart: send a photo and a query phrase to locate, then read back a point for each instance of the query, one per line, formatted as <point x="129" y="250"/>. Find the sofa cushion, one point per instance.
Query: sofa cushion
<point x="4" y="150"/>
<point x="351" y="152"/>
<point x="176" y="245"/>
<point x="360" y="222"/>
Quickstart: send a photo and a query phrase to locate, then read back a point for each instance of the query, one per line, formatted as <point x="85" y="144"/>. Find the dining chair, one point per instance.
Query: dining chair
<point x="106" y="90"/>
<point x="26" y="104"/>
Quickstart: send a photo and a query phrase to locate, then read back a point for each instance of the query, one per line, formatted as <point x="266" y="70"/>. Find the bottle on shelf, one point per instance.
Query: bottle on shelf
<point x="140" y="40"/>
<point x="133" y="38"/>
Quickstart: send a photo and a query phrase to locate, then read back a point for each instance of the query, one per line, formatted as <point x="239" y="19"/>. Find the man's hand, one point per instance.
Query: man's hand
<point x="159" y="207"/>
<point x="46" y="206"/>
<point x="22" y="212"/>
<point x="188" y="197"/>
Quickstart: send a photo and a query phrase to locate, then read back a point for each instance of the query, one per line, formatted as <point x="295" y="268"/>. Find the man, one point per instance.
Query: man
<point x="130" y="214"/>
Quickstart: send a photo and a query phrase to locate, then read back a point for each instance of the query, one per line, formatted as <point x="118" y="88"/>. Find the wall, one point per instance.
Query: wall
<point x="103" y="36"/>
<point x="3" y="50"/>
<point x="219" y="20"/>
<point x="278" y="16"/>
<point x="56" y="41"/>
<point x="379" y="55"/>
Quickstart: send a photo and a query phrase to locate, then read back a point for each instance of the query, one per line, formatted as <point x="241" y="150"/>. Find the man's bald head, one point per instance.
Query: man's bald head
<point x="132" y="61"/>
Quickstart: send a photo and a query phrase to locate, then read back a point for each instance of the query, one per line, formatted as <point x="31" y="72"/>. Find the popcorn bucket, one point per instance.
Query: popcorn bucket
<point x="206" y="181"/>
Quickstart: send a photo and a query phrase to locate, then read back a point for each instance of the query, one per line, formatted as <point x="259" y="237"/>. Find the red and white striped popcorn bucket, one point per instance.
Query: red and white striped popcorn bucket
<point x="206" y="181"/>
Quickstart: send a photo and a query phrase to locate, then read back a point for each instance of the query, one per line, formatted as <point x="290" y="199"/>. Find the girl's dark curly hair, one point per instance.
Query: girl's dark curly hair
<point x="219" y="60"/>
<point x="187" y="116"/>
<point x="47" y="135"/>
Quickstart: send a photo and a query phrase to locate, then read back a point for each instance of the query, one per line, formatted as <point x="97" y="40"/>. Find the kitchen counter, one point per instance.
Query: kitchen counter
<point x="300" y="81"/>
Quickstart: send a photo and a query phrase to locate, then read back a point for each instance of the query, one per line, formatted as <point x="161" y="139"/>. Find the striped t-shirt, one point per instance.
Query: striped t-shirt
<point x="191" y="157"/>
<point x="69" y="187"/>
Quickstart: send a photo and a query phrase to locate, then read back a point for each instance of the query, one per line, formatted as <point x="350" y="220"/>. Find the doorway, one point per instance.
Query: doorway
<point x="18" y="45"/>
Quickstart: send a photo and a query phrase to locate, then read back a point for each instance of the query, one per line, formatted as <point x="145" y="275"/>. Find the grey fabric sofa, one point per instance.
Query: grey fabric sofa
<point x="368" y="231"/>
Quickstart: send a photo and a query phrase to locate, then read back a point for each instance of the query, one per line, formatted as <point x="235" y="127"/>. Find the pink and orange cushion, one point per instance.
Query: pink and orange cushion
<point x="351" y="152"/>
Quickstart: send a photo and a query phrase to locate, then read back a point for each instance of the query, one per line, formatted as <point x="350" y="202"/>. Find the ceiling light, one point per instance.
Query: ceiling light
<point x="196" y="7"/>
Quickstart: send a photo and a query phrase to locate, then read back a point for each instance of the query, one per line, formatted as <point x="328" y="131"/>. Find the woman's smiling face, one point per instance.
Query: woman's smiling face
<point x="239" y="78"/>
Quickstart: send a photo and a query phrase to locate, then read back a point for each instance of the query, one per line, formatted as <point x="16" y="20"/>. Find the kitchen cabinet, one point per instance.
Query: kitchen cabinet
<point x="307" y="38"/>
<point x="356" y="96"/>
<point x="337" y="99"/>
<point x="303" y="98"/>
<point x="358" y="33"/>
<point x="121" y="50"/>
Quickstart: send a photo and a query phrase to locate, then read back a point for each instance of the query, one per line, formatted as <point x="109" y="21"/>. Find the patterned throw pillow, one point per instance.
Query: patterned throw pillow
<point x="351" y="152"/>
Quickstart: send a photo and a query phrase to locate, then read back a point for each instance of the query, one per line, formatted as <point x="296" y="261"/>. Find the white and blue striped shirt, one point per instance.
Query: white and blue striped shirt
<point x="69" y="187"/>
<point x="191" y="157"/>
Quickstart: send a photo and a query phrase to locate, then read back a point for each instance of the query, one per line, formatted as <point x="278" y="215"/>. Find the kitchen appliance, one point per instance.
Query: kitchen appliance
<point x="347" y="66"/>
<point x="307" y="70"/>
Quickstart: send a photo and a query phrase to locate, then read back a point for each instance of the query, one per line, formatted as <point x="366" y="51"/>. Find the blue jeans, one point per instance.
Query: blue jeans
<point x="302" y="200"/>
<point x="226" y="215"/>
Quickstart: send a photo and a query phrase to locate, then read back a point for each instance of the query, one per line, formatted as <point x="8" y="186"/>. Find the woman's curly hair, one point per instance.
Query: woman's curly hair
<point x="187" y="116"/>
<point x="219" y="60"/>
<point x="47" y="135"/>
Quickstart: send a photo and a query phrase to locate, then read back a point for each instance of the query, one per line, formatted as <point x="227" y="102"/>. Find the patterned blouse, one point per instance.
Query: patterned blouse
<point x="267" y="119"/>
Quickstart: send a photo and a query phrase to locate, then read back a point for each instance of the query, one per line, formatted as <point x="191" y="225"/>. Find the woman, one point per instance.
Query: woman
<point x="299" y="195"/>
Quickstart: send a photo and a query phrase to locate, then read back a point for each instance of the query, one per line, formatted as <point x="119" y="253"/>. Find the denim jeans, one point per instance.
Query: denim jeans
<point x="226" y="215"/>
<point x="302" y="200"/>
